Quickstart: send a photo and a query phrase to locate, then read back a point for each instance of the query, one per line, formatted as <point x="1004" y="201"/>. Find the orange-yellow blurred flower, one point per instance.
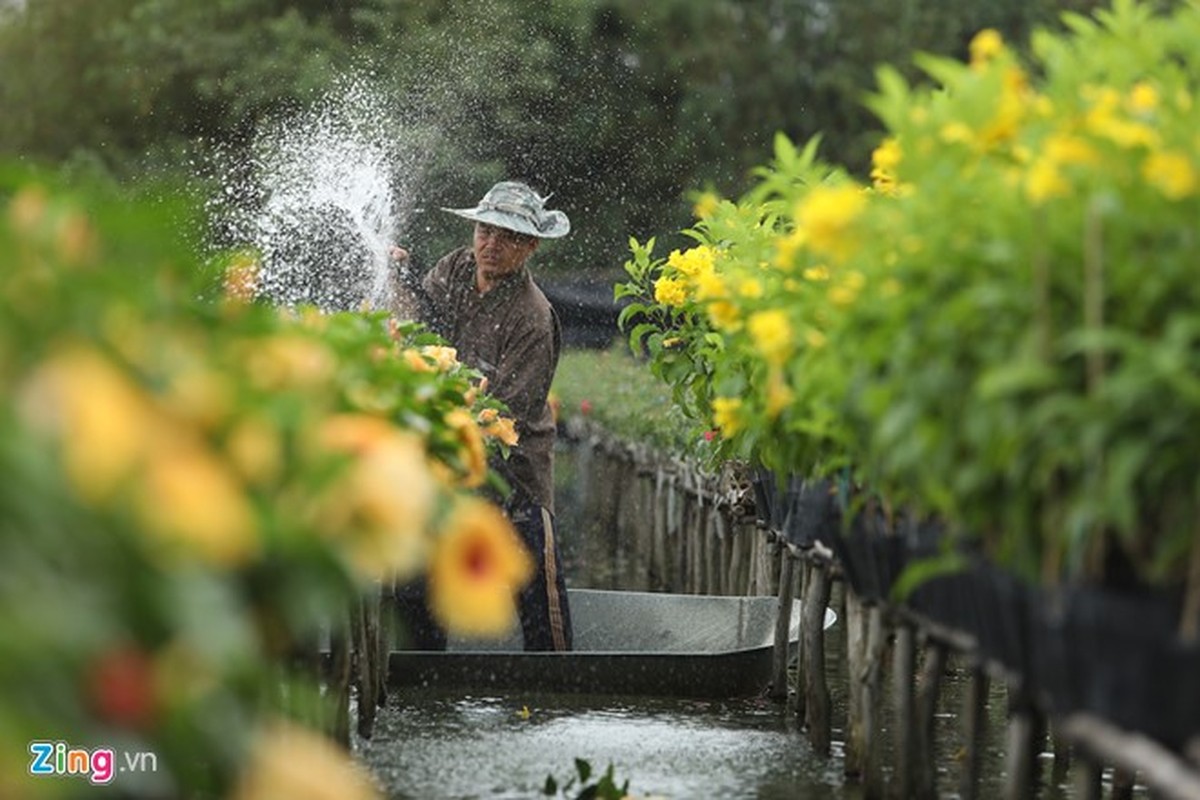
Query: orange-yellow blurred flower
<point x="478" y="567"/>
<point x="240" y="281"/>
<point x="288" y="761"/>
<point x="105" y="423"/>
<point x="827" y="215"/>
<point x="497" y="427"/>
<point x="472" y="451"/>
<point x="380" y="506"/>
<point x="289" y="361"/>
<point x="444" y="358"/>
<point x="190" y="498"/>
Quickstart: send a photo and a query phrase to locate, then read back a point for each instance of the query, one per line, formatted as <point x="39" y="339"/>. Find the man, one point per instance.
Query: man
<point x="484" y="302"/>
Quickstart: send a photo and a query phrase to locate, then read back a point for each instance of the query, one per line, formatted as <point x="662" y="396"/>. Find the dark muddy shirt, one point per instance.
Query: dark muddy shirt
<point x="511" y="335"/>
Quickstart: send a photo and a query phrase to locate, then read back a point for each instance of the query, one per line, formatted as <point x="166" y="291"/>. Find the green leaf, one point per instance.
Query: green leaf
<point x="550" y="789"/>
<point x="918" y="572"/>
<point x="583" y="768"/>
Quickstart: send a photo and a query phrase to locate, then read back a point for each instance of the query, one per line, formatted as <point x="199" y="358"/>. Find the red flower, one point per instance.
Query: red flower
<point x="120" y="687"/>
<point x="585" y="407"/>
<point x="710" y="435"/>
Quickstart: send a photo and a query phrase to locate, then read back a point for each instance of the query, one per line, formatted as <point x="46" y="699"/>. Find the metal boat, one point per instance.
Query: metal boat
<point x="641" y="643"/>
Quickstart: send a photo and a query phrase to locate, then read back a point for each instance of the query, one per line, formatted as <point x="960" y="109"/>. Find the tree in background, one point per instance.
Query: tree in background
<point x="619" y="107"/>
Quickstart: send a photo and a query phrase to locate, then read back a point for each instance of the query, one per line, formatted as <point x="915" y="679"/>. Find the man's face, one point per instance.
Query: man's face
<point x="500" y="252"/>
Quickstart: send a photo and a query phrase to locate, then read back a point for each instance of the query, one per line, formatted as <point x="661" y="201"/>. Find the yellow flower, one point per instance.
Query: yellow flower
<point x="381" y="504"/>
<point x="1143" y="98"/>
<point x="724" y="315"/>
<point x="478" y="567"/>
<point x="985" y="46"/>
<point x="1171" y="173"/>
<point x="772" y="334"/>
<point x="241" y="278"/>
<point x="827" y="214"/>
<point x="288" y="761"/>
<point x="416" y="361"/>
<point x="1044" y="182"/>
<point x="105" y="423"/>
<point x="502" y="428"/>
<point x="786" y="248"/>
<point x="956" y="133"/>
<point x="27" y="209"/>
<point x="255" y="449"/>
<point x="199" y="394"/>
<point x="779" y="396"/>
<point x="694" y="261"/>
<point x="1061" y="148"/>
<point x="471" y="447"/>
<point x="670" y="292"/>
<point x="444" y="358"/>
<point x="189" y="497"/>
<point x="817" y="273"/>
<point x="727" y="414"/>
<point x="751" y="288"/>
<point x="710" y="285"/>
<point x="887" y="155"/>
<point x="814" y="338"/>
<point x="706" y="204"/>
<point x="289" y="361"/>
<point x="75" y="238"/>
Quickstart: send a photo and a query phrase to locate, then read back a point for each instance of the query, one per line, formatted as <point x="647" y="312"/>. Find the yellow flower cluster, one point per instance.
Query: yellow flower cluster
<point x="479" y="564"/>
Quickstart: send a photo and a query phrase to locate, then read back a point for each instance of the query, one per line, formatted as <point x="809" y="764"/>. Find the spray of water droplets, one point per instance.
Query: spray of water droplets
<point x="322" y="195"/>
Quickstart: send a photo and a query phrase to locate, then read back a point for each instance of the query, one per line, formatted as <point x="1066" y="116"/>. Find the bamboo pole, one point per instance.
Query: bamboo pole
<point x="974" y="730"/>
<point x="783" y="627"/>
<point x="816" y="701"/>
<point x="856" y="626"/>
<point x="1026" y="731"/>
<point x="872" y="701"/>
<point x="1088" y="779"/>
<point x="904" y="710"/>
<point x="929" y="689"/>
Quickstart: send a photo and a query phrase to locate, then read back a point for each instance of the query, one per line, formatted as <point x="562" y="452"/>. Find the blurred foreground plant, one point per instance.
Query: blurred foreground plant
<point x="195" y="485"/>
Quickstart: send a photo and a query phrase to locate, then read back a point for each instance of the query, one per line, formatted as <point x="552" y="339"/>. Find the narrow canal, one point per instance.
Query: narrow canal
<point x="433" y="744"/>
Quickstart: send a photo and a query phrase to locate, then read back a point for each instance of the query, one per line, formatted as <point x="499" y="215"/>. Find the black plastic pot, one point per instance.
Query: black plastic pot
<point x="1117" y="655"/>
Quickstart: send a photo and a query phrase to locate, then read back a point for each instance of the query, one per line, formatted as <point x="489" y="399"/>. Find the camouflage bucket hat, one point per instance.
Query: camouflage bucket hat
<point x="515" y="207"/>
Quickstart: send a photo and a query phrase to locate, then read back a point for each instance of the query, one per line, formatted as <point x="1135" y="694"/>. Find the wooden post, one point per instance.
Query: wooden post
<point x="856" y="621"/>
<point x="783" y="625"/>
<point x="929" y="689"/>
<point x="1088" y="779"/>
<point x="1122" y="783"/>
<point x="1062" y="757"/>
<point x="872" y="701"/>
<point x="1165" y="773"/>
<point x="737" y="545"/>
<point x="904" y="667"/>
<point x="974" y="729"/>
<point x="816" y="701"/>
<point x="339" y="680"/>
<point x="1026" y="732"/>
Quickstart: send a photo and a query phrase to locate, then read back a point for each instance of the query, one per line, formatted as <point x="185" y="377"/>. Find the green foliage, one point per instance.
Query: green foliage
<point x="603" y="788"/>
<point x="629" y="401"/>
<point x="1002" y="328"/>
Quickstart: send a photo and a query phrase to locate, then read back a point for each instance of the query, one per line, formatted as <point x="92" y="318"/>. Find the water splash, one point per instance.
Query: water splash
<point x="322" y="195"/>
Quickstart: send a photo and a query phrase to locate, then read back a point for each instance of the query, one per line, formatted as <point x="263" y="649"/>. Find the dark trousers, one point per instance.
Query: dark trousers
<point x="542" y="605"/>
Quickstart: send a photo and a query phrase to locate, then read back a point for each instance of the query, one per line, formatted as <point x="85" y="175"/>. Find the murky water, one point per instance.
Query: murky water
<point x="439" y="745"/>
